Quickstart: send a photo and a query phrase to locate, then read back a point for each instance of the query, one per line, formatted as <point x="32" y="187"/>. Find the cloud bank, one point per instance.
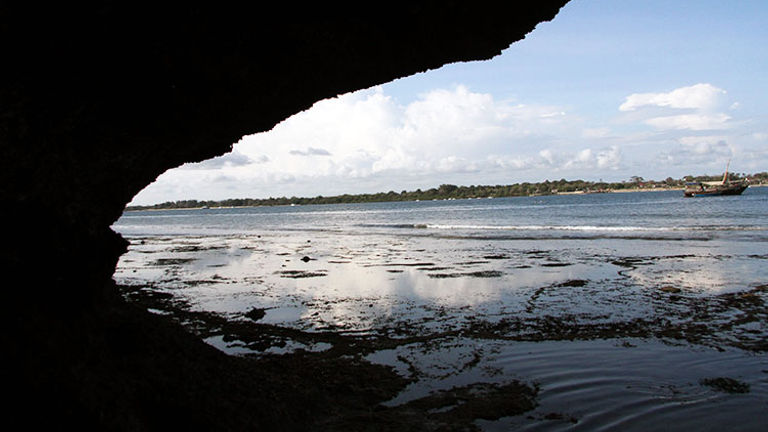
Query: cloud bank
<point x="698" y="97"/>
<point x="367" y="133"/>
<point x="698" y="107"/>
<point x="368" y="142"/>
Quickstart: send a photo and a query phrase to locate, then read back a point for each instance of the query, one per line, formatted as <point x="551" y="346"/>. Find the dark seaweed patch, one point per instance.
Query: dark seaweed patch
<point x="477" y="274"/>
<point x="485" y="274"/>
<point x="476" y="401"/>
<point x="496" y="257"/>
<point x="171" y="261"/>
<point x="629" y="262"/>
<point x="726" y="385"/>
<point x="573" y="283"/>
<point x="560" y="417"/>
<point x="197" y="282"/>
<point x="195" y="248"/>
<point x="300" y="274"/>
<point x="256" y="314"/>
<point x="670" y="289"/>
<point x="444" y="275"/>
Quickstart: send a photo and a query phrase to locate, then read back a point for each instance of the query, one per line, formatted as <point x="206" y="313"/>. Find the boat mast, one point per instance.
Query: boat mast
<point x="725" y="176"/>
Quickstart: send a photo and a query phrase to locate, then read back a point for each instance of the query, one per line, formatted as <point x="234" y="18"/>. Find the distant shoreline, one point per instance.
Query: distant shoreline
<point x="579" y="192"/>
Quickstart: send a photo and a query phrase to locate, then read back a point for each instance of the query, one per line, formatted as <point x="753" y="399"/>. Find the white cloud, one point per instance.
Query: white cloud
<point x="691" y="121"/>
<point x="609" y="158"/>
<point x="584" y="159"/>
<point x="600" y="132"/>
<point x="707" y="146"/>
<point x="367" y="133"/>
<point x="698" y="107"/>
<point x="310" y="151"/>
<point x="231" y="159"/>
<point x="698" y="97"/>
<point x="549" y="157"/>
<point x="340" y="145"/>
<point x="702" y="152"/>
<point x="455" y="164"/>
<point x="367" y="142"/>
<point x="572" y="162"/>
<point x="709" y="139"/>
<point x="552" y="114"/>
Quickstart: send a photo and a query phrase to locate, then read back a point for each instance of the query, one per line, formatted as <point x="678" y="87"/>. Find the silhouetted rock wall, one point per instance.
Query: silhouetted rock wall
<point x="97" y="101"/>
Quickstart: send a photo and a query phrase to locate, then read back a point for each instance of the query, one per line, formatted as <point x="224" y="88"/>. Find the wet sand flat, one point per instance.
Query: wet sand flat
<point x="603" y="332"/>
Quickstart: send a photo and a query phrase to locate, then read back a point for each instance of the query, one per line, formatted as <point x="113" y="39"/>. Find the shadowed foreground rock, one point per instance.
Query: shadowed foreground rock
<point x="95" y="103"/>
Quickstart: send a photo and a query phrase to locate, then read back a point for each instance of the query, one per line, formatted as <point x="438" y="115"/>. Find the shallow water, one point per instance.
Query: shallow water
<point x="616" y="305"/>
<point x="631" y="384"/>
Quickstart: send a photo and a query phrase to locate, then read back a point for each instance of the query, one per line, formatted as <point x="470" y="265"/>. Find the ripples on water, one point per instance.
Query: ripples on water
<point x="442" y="266"/>
<point x="642" y="386"/>
<point x="602" y="385"/>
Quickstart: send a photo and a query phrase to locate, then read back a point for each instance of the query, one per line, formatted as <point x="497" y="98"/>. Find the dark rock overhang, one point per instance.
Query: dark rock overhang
<point x="97" y="101"/>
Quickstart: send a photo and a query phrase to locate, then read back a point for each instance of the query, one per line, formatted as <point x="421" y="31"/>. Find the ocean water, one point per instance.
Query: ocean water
<point x="643" y="215"/>
<point x="617" y="306"/>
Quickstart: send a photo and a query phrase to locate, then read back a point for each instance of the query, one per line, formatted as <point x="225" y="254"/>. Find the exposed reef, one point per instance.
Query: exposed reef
<point x="96" y="102"/>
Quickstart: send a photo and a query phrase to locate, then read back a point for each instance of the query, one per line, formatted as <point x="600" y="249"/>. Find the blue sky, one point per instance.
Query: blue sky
<point x="607" y="90"/>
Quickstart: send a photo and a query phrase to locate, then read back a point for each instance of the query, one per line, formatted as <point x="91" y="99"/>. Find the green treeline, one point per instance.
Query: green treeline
<point x="447" y="191"/>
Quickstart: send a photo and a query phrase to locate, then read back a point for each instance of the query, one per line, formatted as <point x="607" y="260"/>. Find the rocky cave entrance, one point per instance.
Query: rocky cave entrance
<point x="104" y="99"/>
<point x="320" y="335"/>
<point x="99" y="101"/>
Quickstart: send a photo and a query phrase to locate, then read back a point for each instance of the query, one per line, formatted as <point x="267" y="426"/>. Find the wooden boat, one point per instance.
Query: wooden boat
<point x="724" y="187"/>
